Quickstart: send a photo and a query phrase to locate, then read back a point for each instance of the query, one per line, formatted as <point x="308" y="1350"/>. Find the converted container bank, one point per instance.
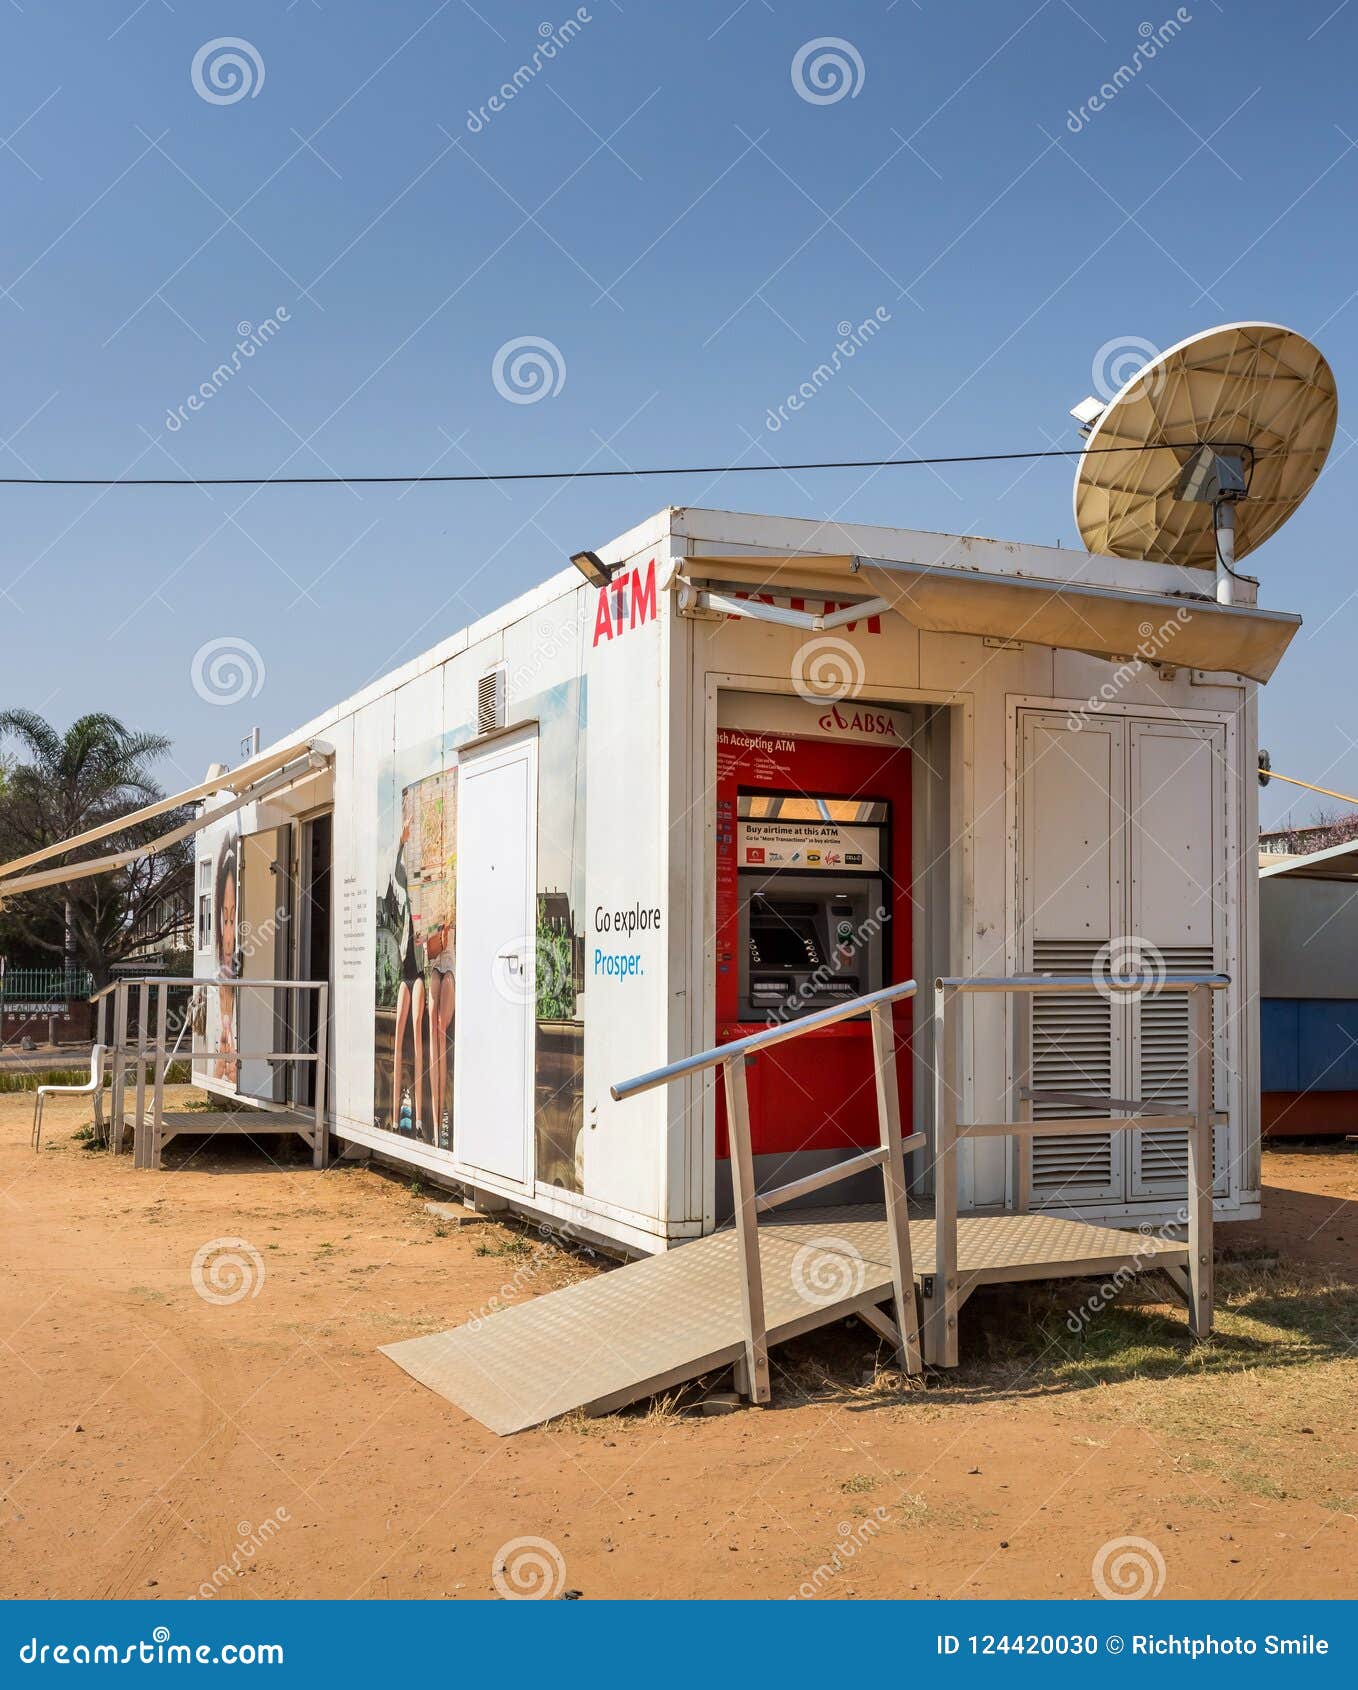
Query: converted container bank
<point x="606" y="827"/>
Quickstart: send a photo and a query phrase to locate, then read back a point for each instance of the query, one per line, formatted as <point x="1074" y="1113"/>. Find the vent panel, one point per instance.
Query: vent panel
<point x="490" y="701"/>
<point x="1164" y="1067"/>
<point x="1072" y="1051"/>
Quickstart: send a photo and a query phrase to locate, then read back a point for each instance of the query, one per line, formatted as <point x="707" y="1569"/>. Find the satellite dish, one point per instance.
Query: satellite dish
<point x="1239" y="419"/>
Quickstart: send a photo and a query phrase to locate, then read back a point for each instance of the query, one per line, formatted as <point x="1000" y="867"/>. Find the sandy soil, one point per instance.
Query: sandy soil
<point x="161" y="1444"/>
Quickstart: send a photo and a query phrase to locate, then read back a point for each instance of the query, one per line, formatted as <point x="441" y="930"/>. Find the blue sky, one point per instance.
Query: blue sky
<point x="662" y="205"/>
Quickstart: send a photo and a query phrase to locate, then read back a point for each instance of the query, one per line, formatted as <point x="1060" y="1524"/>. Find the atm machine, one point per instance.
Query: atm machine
<point x="808" y="939"/>
<point x="813" y="908"/>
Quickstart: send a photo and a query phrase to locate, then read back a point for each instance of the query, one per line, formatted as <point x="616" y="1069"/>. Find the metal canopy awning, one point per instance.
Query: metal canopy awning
<point x="262" y="777"/>
<point x="1120" y="625"/>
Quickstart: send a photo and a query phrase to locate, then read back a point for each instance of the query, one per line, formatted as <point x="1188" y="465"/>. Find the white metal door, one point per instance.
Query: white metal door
<point x="496" y="958"/>
<point x="1123" y="851"/>
<point x="1178" y="844"/>
<point x="262" y="935"/>
<point x="1072" y="895"/>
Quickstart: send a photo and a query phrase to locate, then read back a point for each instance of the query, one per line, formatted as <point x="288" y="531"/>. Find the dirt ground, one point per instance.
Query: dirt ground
<point x="158" y="1442"/>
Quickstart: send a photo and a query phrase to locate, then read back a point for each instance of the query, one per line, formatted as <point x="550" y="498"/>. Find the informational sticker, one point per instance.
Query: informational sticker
<point x="809" y="845"/>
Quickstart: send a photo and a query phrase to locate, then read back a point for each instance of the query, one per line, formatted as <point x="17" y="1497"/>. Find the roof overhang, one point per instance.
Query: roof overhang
<point x="1181" y="630"/>
<point x="1335" y="862"/>
<point x="262" y="777"/>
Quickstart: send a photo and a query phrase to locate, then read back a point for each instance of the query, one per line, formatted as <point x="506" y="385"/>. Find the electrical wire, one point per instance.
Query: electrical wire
<point x="584" y="474"/>
<point x="1216" y="540"/>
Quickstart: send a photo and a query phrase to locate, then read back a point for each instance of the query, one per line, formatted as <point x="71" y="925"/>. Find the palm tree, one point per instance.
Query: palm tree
<point x="61" y="784"/>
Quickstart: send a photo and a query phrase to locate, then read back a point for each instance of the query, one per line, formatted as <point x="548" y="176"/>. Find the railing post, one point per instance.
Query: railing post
<point x="101" y="1038"/>
<point x="756" y="1380"/>
<point x="893" y="1180"/>
<point x="940" y="1327"/>
<point x="1200" y="1170"/>
<point x="115" y="1126"/>
<point x="139" y="1116"/>
<point x="319" y="1147"/>
<point x="1023" y="1106"/>
<point x="162" y="1063"/>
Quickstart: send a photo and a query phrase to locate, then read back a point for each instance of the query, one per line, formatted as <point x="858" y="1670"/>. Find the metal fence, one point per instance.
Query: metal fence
<point x="45" y="985"/>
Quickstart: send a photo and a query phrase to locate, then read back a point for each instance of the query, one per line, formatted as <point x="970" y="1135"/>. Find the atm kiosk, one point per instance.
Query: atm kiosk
<point x="813" y="908"/>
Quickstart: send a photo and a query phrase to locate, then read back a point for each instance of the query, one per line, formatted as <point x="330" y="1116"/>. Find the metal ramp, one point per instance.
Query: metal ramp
<point x="651" y="1325"/>
<point x="725" y="1299"/>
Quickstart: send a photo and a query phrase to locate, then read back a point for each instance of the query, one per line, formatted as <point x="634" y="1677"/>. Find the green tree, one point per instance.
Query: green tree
<point x="61" y="784"/>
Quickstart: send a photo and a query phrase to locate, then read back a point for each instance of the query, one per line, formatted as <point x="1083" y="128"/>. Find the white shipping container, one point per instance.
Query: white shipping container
<point x="606" y="827"/>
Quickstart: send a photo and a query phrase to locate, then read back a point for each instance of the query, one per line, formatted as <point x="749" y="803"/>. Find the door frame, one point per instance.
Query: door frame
<point x="504" y="746"/>
<point x="256" y="1024"/>
<point x="304" y="928"/>
<point x="942" y="928"/>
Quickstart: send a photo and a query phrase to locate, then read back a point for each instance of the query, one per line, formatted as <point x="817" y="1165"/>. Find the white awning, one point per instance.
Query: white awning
<point x="1121" y="626"/>
<point x="261" y="777"/>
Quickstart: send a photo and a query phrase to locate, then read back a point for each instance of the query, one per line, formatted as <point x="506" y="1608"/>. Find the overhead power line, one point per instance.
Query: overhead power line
<point x="577" y="474"/>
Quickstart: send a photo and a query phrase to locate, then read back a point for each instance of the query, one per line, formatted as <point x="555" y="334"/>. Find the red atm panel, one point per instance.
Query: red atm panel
<point x="813" y="903"/>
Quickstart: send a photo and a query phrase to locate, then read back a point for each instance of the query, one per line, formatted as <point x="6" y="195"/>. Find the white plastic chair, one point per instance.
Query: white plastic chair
<point x="93" y="1085"/>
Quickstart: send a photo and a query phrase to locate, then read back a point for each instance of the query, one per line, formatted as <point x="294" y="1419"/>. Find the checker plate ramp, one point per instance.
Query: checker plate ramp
<point x="653" y="1323"/>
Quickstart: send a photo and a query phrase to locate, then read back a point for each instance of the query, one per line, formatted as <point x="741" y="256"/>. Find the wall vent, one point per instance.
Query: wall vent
<point x="1164" y="1078"/>
<point x="1072" y="1051"/>
<point x="490" y="701"/>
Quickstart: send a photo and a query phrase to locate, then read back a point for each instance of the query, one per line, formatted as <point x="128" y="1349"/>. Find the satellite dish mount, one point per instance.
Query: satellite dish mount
<point x="1216" y="476"/>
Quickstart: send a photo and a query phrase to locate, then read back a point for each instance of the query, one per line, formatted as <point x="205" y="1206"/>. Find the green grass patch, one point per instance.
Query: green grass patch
<point x="177" y="1074"/>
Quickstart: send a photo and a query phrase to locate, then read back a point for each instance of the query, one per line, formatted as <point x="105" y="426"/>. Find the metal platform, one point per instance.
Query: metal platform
<point x="652" y="1324"/>
<point x="255" y="1123"/>
<point x="151" y="1132"/>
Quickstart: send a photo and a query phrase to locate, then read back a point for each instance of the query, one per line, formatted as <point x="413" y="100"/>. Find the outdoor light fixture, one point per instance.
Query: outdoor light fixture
<point x="593" y="568"/>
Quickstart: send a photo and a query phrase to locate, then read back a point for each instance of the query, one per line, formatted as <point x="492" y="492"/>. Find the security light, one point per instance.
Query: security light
<point x="593" y="568"/>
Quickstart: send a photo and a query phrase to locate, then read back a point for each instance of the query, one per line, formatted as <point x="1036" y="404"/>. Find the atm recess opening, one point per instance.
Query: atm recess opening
<point x="813" y="902"/>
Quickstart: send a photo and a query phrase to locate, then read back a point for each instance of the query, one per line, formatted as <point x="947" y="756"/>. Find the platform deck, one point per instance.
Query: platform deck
<point x="254" y="1122"/>
<point x="650" y="1325"/>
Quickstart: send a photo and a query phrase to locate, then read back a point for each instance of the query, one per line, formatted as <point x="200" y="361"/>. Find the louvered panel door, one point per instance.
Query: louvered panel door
<point x="1177" y="834"/>
<point x="1072" y="894"/>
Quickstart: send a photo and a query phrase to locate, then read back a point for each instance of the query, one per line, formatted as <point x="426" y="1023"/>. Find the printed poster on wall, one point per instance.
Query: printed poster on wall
<point x="415" y="1007"/>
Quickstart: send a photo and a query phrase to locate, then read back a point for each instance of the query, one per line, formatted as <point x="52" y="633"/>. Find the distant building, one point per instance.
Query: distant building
<point x="1308" y="990"/>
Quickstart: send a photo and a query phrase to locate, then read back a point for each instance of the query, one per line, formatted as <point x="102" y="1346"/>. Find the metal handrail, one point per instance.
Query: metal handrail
<point x="752" y="1374"/>
<point x="192" y="980"/>
<point x="942" y="1299"/>
<point x="1079" y="983"/>
<point x="231" y="980"/>
<point x="752" y="1043"/>
<point x="148" y="1130"/>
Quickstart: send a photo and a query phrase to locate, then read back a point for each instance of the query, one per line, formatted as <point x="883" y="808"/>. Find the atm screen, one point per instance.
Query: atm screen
<point x="783" y="935"/>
